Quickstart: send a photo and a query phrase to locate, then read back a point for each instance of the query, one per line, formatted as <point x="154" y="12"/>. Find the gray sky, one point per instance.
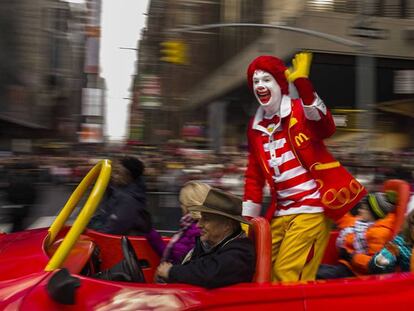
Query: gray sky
<point x="121" y="24"/>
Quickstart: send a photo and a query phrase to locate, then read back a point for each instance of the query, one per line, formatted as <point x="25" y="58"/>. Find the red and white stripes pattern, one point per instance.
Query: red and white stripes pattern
<point x="296" y="190"/>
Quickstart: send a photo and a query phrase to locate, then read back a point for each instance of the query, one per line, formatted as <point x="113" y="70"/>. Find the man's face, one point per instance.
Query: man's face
<point x="266" y="89"/>
<point x="213" y="228"/>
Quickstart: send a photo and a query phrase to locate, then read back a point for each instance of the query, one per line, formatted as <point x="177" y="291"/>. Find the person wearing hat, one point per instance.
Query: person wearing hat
<point x="222" y="255"/>
<point x="287" y="152"/>
<point x="123" y="207"/>
<point x="361" y="236"/>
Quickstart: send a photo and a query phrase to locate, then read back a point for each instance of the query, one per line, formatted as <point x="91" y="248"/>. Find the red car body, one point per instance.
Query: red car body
<point x="23" y="284"/>
<point x="25" y="279"/>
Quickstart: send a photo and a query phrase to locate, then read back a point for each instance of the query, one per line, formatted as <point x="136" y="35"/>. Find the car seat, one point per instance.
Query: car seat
<point x="259" y="232"/>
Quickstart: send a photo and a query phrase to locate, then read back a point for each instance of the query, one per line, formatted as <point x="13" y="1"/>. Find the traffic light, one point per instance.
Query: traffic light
<point x="174" y="51"/>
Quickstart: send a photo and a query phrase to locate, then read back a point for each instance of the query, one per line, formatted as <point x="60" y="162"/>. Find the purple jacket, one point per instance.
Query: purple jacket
<point x="174" y="251"/>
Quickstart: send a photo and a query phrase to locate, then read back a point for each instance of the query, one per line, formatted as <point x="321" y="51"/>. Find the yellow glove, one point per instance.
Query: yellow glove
<point x="301" y="66"/>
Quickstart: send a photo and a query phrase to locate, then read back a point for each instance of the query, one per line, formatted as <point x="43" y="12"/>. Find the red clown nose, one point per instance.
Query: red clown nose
<point x="272" y="65"/>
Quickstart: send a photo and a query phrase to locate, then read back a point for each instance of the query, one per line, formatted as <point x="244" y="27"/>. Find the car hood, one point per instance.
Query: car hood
<point x="22" y="254"/>
<point x="13" y="292"/>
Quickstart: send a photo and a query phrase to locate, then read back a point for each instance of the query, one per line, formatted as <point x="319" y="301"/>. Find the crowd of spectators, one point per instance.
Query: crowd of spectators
<point x="168" y="169"/>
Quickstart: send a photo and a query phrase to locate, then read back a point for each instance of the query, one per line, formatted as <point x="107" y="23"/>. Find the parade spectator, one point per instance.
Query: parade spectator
<point x="184" y="240"/>
<point x="397" y="254"/>
<point x="286" y="151"/>
<point x="123" y="208"/>
<point x="361" y="236"/>
<point x="21" y="192"/>
<point x="223" y="255"/>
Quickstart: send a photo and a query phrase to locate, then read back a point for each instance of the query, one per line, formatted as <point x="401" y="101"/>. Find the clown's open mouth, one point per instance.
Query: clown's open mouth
<point x="263" y="95"/>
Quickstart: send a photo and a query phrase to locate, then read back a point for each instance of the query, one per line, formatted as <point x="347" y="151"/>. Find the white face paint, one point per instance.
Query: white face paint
<point x="267" y="91"/>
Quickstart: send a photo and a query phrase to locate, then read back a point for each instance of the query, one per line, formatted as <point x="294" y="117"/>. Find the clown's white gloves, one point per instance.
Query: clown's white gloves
<point x="301" y="66"/>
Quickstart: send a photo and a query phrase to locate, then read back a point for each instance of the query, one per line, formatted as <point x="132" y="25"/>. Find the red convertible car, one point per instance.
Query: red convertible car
<point x="50" y="269"/>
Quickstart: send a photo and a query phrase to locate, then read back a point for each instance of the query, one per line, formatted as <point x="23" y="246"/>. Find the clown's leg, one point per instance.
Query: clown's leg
<point x="304" y="234"/>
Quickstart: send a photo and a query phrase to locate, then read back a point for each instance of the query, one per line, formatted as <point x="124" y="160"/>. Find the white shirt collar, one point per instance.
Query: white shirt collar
<point x="285" y="109"/>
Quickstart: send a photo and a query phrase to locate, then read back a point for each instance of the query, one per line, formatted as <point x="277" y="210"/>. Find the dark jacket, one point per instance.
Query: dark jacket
<point x="21" y="189"/>
<point x="123" y="211"/>
<point x="230" y="262"/>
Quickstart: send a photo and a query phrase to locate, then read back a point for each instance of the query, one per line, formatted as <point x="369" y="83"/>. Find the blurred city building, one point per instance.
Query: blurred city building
<point x="45" y="48"/>
<point x="92" y="120"/>
<point x="367" y="80"/>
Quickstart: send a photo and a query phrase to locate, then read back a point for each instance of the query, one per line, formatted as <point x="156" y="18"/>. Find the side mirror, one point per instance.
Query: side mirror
<point x="62" y="287"/>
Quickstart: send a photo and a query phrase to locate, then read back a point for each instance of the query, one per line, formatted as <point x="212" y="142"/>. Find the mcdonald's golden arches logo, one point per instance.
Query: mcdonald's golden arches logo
<point x="300" y="138"/>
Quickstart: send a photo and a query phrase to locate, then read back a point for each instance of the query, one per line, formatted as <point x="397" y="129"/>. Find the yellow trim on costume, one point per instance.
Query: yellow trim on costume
<point x="326" y="166"/>
<point x="320" y="183"/>
<point x="374" y="205"/>
<point x="265" y="165"/>
<point x="343" y="196"/>
<point x="292" y="122"/>
<point x="245" y="228"/>
<point x="318" y="166"/>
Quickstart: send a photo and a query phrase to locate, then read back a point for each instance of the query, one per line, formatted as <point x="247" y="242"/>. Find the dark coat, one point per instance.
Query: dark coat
<point x="123" y="211"/>
<point x="230" y="262"/>
<point x="21" y="189"/>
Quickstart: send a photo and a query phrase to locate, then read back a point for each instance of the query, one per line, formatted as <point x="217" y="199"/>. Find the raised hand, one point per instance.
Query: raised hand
<point x="300" y="66"/>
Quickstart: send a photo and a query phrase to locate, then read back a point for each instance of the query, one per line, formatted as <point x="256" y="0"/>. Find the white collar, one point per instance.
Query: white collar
<point x="285" y="109"/>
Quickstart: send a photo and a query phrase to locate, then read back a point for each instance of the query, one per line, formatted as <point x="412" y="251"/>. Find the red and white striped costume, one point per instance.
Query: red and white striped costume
<point x="292" y="167"/>
<point x="287" y="151"/>
<point x="296" y="190"/>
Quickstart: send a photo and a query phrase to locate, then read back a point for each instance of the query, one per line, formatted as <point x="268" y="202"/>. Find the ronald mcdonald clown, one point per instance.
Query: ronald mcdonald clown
<point x="286" y="150"/>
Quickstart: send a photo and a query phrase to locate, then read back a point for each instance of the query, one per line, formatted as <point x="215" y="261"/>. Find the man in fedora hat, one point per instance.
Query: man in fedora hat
<point x="222" y="255"/>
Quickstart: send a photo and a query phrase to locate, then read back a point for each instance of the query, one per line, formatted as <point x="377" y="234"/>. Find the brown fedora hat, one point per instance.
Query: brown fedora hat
<point x="216" y="201"/>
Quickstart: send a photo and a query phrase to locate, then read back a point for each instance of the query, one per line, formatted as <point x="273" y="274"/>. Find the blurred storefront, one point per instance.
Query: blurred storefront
<point x="43" y="68"/>
<point x="346" y="76"/>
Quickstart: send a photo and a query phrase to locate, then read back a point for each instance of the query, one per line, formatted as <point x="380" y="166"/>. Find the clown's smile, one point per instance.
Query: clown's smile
<point x="264" y="95"/>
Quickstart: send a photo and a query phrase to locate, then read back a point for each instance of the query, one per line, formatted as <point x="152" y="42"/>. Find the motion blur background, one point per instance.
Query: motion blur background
<point x="189" y="103"/>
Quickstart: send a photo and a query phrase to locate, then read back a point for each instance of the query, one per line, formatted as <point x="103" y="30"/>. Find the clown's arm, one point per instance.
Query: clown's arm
<point x="314" y="108"/>
<point x="253" y="187"/>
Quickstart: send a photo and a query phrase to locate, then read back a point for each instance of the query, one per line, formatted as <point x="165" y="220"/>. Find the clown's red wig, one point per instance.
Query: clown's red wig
<point x="272" y="65"/>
